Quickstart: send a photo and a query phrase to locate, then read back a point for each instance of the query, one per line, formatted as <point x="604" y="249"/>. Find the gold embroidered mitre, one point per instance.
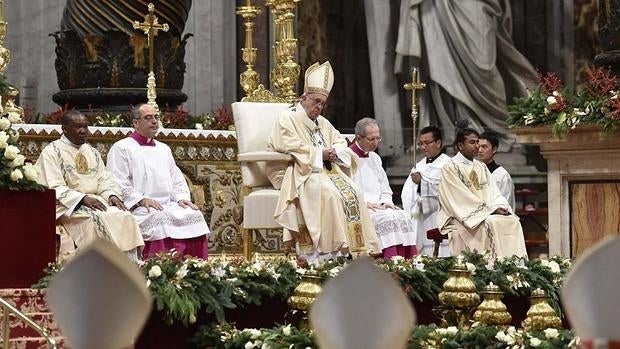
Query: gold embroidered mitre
<point x="319" y="78"/>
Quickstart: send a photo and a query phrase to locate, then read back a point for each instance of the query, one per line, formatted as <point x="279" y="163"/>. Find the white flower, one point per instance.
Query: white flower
<point x="551" y="333"/>
<point x="505" y="337"/>
<point x="16" y="175"/>
<point x="419" y="265"/>
<point x="148" y="283"/>
<point x="192" y="319"/>
<point x="529" y="118"/>
<point x="4" y="124"/>
<point x="3" y="139"/>
<point x="249" y="345"/>
<point x="334" y="271"/>
<point x="286" y="330"/>
<point x="14" y="117"/>
<point x="257" y="267"/>
<point x="397" y="259"/>
<point x="535" y="342"/>
<point x="31" y="172"/>
<point x="452" y="330"/>
<point x="554" y="266"/>
<point x="265" y="346"/>
<point x="18" y="161"/>
<point x="441" y="331"/>
<point x="218" y="272"/>
<point x="555" y="93"/>
<point x="551" y="100"/>
<point x="300" y="271"/>
<point x="11" y="152"/>
<point x="155" y="271"/>
<point x="182" y="272"/>
<point x="254" y="333"/>
<point x="14" y="135"/>
<point x="471" y="268"/>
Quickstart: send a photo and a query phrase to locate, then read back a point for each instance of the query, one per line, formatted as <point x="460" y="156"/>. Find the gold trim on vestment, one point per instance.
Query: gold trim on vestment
<point x="350" y="203"/>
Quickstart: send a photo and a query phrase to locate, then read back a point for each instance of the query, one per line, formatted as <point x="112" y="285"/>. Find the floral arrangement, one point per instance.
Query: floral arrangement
<point x="551" y="103"/>
<point x="15" y="172"/>
<point x="219" y="119"/>
<point x="226" y="336"/>
<point x="181" y="288"/>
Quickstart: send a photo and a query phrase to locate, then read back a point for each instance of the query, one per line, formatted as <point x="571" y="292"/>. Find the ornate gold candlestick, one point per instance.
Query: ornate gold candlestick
<point x="303" y="296"/>
<point x="249" y="79"/>
<point x="541" y="315"/>
<point x="5" y="54"/>
<point x="458" y="298"/>
<point x="286" y="72"/>
<point x="150" y="27"/>
<point x="492" y="311"/>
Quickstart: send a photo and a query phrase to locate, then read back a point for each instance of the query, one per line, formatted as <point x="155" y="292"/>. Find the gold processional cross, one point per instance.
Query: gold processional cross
<point x="150" y="27"/>
<point x="414" y="86"/>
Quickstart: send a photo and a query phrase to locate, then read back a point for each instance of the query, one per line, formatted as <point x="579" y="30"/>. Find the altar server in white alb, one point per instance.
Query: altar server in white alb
<point x="472" y="211"/>
<point x="393" y="224"/>
<point x="488" y="145"/>
<point x="420" y="194"/>
<point x="155" y="190"/>
<point x="89" y="203"/>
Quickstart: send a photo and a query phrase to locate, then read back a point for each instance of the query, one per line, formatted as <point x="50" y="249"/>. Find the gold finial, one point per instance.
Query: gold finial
<point x="492" y="311"/>
<point x="150" y="27"/>
<point x="541" y="315"/>
<point x="414" y="86"/>
<point x="249" y="79"/>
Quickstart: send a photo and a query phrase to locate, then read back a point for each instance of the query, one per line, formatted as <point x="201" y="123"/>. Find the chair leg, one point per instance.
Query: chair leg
<point x="248" y="243"/>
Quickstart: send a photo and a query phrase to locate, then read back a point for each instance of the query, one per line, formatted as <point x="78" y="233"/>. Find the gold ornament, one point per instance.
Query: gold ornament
<point x="303" y="296"/>
<point x="81" y="164"/>
<point x="492" y="311"/>
<point x="458" y="298"/>
<point x="249" y="79"/>
<point x="541" y="315"/>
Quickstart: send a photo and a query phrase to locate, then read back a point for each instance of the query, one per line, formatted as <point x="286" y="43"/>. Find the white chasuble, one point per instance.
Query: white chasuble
<point x="150" y="172"/>
<point x="468" y="196"/>
<point x="394" y="226"/>
<point x="323" y="205"/>
<point x="75" y="171"/>
<point x="422" y="202"/>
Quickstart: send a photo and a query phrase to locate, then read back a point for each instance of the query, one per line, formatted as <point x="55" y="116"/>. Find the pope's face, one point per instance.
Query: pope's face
<point x="313" y="104"/>
<point x="76" y="130"/>
<point x="485" y="151"/>
<point x="469" y="148"/>
<point x="148" y="123"/>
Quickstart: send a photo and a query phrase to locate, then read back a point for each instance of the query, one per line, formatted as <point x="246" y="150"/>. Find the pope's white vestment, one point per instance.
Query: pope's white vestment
<point x="324" y="205"/>
<point x="74" y="171"/>
<point x="468" y="196"/>
<point x="422" y="202"/>
<point x="394" y="227"/>
<point x="150" y="172"/>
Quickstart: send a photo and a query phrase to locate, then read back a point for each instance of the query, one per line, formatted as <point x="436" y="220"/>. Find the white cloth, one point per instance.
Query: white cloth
<point x="423" y="207"/>
<point x="150" y="172"/>
<point x="393" y="226"/>
<point x="504" y="184"/>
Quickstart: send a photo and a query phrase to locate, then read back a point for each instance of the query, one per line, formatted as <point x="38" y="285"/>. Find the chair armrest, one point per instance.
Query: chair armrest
<point x="254" y="156"/>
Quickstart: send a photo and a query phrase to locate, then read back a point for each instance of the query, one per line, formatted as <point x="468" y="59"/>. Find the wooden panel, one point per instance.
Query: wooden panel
<point x="595" y="213"/>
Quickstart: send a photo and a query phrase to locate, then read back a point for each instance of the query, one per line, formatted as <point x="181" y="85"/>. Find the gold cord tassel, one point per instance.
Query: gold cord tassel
<point x="81" y="164"/>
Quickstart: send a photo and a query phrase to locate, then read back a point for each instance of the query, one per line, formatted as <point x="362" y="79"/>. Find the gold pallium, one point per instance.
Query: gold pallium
<point x="81" y="164"/>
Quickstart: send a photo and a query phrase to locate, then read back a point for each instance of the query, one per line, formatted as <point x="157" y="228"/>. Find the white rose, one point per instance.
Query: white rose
<point x="18" y="161"/>
<point x="535" y="342"/>
<point x="31" y="172"/>
<point x="14" y="117"/>
<point x="452" y="330"/>
<point x="551" y="100"/>
<point x="471" y="268"/>
<point x="16" y="175"/>
<point x="182" y="272"/>
<point x="265" y="346"/>
<point x="155" y="271"/>
<point x="551" y="333"/>
<point x="286" y="330"/>
<point x="555" y="93"/>
<point x="3" y="139"/>
<point x="554" y="266"/>
<point x="249" y="345"/>
<point x="4" y="124"/>
<point x="14" y="135"/>
<point x="11" y="152"/>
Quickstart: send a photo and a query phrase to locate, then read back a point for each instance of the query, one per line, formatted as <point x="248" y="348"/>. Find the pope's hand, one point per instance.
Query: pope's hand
<point x="93" y="203"/>
<point x="148" y="203"/>
<point x="187" y="203"/>
<point x="115" y="201"/>
<point x="329" y="154"/>
<point x="501" y="211"/>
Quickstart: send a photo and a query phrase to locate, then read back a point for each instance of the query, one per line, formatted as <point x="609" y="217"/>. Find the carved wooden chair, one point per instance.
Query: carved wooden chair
<point x="254" y="123"/>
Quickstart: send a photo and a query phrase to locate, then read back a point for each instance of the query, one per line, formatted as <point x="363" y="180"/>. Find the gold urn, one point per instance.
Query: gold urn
<point x="492" y="311"/>
<point x="304" y="296"/>
<point x="541" y="315"/>
<point x="459" y="291"/>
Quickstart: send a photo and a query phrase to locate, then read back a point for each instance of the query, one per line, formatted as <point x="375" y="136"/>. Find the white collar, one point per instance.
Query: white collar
<point x="66" y="140"/>
<point x="462" y="159"/>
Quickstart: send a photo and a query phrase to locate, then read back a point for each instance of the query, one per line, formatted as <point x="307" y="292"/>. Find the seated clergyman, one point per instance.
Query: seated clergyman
<point x="88" y="199"/>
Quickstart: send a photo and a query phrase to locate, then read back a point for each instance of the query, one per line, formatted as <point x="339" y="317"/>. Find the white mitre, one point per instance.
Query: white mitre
<point x="362" y="308"/>
<point x="100" y="299"/>
<point x="319" y="78"/>
<point x="588" y="295"/>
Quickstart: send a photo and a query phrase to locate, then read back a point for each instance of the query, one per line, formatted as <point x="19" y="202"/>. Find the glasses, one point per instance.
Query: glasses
<point x="427" y="143"/>
<point x="378" y="139"/>
<point x="150" y="117"/>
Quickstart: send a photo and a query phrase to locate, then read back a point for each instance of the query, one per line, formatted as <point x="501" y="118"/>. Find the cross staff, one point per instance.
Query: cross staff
<point x="413" y="86"/>
<point x="150" y="27"/>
